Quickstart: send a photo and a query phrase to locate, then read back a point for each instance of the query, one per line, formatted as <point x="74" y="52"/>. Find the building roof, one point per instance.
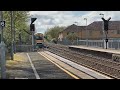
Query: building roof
<point x="96" y="25"/>
<point x="74" y="28"/>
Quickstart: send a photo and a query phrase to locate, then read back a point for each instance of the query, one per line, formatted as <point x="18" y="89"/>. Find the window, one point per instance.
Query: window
<point x="39" y="38"/>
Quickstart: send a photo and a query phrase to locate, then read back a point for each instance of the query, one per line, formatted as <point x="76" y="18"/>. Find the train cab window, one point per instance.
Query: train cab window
<point x="39" y="38"/>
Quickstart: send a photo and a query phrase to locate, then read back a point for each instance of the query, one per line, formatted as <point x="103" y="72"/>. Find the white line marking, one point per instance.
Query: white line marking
<point x="34" y="70"/>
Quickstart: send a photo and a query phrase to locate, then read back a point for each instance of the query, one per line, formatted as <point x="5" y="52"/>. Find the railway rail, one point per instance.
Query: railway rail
<point x="102" y="65"/>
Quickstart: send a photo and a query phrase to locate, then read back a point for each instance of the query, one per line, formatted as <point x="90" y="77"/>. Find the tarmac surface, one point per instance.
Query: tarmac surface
<point x="33" y="66"/>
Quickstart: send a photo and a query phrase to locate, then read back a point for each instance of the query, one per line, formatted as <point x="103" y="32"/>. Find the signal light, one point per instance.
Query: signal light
<point x="32" y="27"/>
<point x="106" y="25"/>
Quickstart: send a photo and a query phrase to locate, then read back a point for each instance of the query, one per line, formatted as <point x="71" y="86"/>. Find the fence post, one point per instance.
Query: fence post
<point x="118" y="44"/>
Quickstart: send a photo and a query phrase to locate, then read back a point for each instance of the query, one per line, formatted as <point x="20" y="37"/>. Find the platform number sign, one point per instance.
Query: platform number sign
<point x="2" y="23"/>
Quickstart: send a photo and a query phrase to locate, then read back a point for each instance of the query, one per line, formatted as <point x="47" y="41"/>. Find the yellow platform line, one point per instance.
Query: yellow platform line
<point x="60" y="67"/>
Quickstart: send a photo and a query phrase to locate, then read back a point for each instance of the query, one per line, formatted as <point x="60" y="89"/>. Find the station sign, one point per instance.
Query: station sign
<point x="2" y="23"/>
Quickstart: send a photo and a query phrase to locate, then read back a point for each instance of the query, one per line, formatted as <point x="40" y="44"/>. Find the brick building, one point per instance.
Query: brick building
<point x="93" y="31"/>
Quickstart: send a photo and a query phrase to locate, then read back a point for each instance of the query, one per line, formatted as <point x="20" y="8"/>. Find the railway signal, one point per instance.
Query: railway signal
<point x="106" y="24"/>
<point x="32" y="20"/>
<point x="32" y="27"/>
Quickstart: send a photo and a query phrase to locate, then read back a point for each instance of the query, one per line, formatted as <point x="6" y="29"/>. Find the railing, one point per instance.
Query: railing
<point x="92" y="43"/>
<point x="112" y="44"/>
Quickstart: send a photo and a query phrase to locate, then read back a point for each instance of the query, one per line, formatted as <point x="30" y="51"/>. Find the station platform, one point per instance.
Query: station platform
<point x="106" y="53"/>
<point x="32" y="65"/>
<point x="77" y="69"/>
<point x="46" y="65"/>
<point x="97" y="49"/>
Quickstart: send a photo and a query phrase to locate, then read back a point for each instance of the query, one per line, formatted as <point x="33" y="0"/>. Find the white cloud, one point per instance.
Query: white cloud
<point x="47" y="19"/>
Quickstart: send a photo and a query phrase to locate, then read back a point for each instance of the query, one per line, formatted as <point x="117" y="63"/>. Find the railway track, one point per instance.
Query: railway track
<point x="102" y="65"/>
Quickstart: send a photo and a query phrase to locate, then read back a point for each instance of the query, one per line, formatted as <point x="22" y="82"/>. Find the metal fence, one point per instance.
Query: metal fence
<point x="92" y="43"/>
<point x="112" y="44"/>
<point x="24" y="48"/>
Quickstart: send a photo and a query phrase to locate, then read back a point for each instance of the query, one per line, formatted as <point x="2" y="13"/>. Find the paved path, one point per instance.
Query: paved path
<point x="20" y="68"/>
<point x="46" y="69"/>
<point x="34" y="66"/>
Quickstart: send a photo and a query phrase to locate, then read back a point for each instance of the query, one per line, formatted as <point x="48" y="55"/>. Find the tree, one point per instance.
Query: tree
<point x="20" y="21"/>
<point x="53" y="33"/>
<point x="71" y="37"/>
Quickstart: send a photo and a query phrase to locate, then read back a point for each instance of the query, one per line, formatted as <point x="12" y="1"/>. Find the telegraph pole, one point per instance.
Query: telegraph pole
<point x="14" y="31"/>
<point x="86" y="32"/>
<point x="2" y="46"/>
<point x="11" y="14"/>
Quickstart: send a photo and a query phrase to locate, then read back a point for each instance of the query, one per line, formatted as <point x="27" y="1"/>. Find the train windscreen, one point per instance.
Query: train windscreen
<point x="39" y="38"/>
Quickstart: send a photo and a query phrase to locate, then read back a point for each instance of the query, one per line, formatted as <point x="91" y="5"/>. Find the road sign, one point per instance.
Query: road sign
<point x="2" y="23"/>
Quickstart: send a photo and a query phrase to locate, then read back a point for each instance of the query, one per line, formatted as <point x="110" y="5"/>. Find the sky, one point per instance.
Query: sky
<point x="48" y="19"/>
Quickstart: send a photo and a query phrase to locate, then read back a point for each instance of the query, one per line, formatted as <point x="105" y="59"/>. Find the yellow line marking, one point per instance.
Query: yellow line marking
<point x="60" y="67"/>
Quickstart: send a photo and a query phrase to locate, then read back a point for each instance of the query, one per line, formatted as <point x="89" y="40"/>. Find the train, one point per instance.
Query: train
<point x="39" y="40"/>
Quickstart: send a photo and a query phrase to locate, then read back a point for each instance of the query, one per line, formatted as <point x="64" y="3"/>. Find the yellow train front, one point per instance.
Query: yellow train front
<point x="39" y="41"/>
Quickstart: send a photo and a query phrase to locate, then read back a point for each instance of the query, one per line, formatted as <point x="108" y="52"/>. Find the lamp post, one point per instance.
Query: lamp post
<point x="103" y="33"/>
<point x="86" y="32"/>
<point x="102" y="14"/>
<point x="78" y="32"/>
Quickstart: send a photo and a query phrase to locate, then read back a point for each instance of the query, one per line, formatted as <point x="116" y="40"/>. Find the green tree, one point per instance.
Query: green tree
<point x="71" y="37"/>
<point x="53" y="33"/>
<point x="20" y="21"/>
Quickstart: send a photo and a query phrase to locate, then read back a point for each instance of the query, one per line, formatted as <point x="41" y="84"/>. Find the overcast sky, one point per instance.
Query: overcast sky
<point x="48" y="19"/>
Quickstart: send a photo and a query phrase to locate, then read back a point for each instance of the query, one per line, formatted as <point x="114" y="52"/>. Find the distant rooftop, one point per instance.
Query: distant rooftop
<point x="96" y="25"/>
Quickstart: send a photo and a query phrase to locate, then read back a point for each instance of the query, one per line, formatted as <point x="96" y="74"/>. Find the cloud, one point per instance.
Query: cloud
<point x="47" y="19"/>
